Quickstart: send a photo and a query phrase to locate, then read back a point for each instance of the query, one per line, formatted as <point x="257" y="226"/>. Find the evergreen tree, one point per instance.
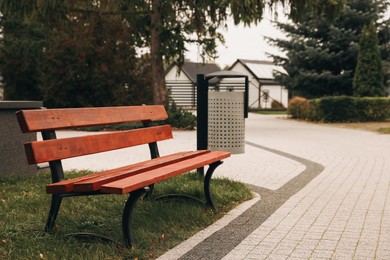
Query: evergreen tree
<point x="368" y="79"/>
<point x="321" y="56"/>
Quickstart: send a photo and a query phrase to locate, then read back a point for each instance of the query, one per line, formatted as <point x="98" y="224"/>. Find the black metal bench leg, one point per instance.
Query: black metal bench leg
<point x="54" y="208"/>
<point x="149" y="191"/>
<point x="127" y="215"/>
<point x="207" y="179"/>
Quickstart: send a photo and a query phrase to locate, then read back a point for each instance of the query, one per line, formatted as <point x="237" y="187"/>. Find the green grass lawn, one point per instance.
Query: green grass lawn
<point x="384" y="130"/>
<point x="270" y="112"/>
<point x="157" y="227"/>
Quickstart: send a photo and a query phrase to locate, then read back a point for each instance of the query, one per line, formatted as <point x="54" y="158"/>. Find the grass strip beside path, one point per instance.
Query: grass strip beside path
<point x="158" y="226"/>
<point x="380" y="127"/>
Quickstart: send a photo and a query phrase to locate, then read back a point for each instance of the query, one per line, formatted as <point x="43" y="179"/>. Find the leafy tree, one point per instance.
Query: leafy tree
<point x="368" y="79"/>
<point x="80" y="59"/>
<point x="321" y="56"/>
<point x="89" y="62"/>
<point x="165" y="26"/>
<point x="140" y="87"/>
<point x="20" y="55"/>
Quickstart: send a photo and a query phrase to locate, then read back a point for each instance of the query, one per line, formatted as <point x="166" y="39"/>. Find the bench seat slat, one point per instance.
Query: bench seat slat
<point x="135" y="182"/>
<point x="96" y="183"/>
<point x="53" y="119"/>
<point x="93" y="182"/>
<point x="57" y="149"/>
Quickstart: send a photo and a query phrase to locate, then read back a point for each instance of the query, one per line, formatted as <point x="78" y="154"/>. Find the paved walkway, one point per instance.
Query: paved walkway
<point x="324" y="194"/>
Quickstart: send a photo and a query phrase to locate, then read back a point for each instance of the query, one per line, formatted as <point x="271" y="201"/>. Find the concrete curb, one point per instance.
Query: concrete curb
<point x="190" y="243"/>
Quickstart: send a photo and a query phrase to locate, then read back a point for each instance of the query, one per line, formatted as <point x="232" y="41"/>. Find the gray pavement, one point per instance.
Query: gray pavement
<point x="323" y="193"/>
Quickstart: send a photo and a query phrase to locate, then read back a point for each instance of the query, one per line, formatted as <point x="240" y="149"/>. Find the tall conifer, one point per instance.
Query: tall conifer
<point x="368" y="79"/>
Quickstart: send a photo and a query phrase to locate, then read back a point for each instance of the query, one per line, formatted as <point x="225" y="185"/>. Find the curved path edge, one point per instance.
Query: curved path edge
<point x="224" y="240"/>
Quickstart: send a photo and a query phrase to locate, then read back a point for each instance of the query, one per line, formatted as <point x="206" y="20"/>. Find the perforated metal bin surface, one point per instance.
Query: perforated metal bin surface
<point x="226" y="122"/>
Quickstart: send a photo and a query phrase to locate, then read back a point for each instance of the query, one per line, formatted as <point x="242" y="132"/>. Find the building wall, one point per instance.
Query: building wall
<point x="257" y="99"/>
<point x="183" y="91"/>
<point x="253" y="87"/>
<point x="275" y="92"/>
<point x="180" y="88"/>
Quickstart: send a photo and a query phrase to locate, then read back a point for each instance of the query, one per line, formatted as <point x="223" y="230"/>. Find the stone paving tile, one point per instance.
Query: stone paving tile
<point x="300" y="253"/>
<point x="238" y="254"/>
<point x="326" y="245"/>
<point x="295" y="235"/>
<point x="383" y="254"/>
<point x="332" y="235"/>
<point x="342" y="255"/>
<point x="322" y="254"/>
<point x="285" y="248"/>
<point x="364" y="254"/>
<point x="347" y="244"/>
<point x="294" y="258"/>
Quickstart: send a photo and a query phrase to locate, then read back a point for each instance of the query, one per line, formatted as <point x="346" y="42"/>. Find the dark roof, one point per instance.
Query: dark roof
<point x="191" y="69"/>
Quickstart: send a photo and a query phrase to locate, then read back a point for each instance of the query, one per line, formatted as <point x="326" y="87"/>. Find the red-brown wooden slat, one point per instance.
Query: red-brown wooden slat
<point x="96" y="183"/>
<point x="51" y="119"/>
<point x="93" y="182"/>
<point x="142" y="180"/>
<point x="57" y="149"/>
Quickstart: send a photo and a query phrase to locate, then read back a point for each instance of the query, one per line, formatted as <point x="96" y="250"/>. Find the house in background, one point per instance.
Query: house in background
<point x="263" y="89"/>
<point x="181" y="81"/>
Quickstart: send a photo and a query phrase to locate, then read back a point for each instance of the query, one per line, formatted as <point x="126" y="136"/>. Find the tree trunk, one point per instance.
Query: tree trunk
<point x="158" y="81"/>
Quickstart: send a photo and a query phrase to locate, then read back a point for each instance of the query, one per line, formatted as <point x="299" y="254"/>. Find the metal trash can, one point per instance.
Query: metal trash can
<point x="226" y="122"/>
<point x="221" y="112"/>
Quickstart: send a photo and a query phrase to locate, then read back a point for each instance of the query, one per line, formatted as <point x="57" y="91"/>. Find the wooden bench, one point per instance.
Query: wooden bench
<point x="134" y="179"/>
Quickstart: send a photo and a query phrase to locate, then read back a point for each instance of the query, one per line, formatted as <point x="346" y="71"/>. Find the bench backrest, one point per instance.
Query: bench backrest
<point x="49" y="120"/>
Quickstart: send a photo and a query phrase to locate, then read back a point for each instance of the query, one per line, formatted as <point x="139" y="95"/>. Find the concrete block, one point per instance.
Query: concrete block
<point x="13" y="159"/>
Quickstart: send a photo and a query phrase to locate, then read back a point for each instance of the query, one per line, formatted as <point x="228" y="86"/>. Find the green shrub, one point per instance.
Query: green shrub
<point x="337" y="109"/>
<point x="340" y="109"/>
<point x="297" y="106"/>
<point x="180" y="118"/>
<point x="373" y="109"/>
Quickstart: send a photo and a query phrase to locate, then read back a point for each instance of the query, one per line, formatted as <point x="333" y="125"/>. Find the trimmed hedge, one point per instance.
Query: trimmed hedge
<point x="340" y="109"/>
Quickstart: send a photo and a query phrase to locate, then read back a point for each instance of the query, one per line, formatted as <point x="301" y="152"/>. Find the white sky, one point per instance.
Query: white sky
<point x="244" y="42"/>
<point x="247" y="42"/>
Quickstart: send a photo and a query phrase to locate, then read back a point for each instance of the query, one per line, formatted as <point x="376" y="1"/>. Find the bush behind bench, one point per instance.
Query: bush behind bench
<point x="340" y="109"/>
